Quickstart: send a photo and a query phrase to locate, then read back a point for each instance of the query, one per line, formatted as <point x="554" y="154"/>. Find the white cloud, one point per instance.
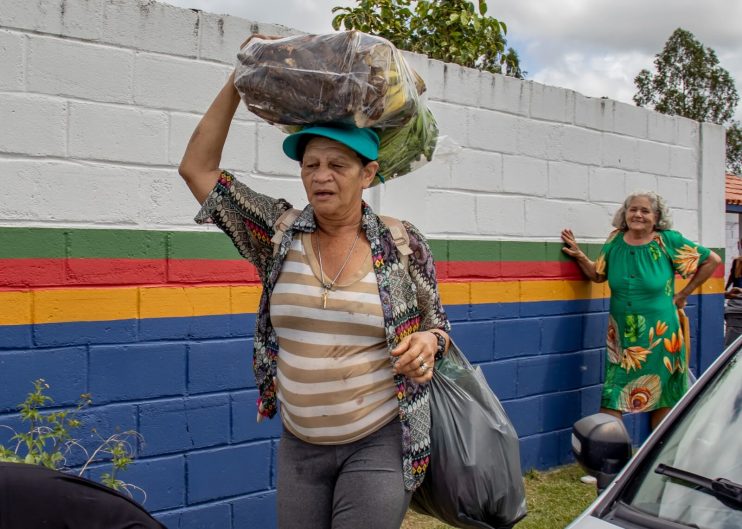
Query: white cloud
<point x="609" y="75"/>
<point x="629" y="24"/>
<point x="597" y="47"/>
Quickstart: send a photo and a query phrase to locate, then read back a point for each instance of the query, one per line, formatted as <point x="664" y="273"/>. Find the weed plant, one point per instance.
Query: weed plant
<point x="49" y="440"/>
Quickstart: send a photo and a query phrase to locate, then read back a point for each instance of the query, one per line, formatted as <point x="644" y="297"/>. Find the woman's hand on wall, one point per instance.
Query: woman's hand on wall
<point x="416" y="356"/>
<point x="571" y="247"/>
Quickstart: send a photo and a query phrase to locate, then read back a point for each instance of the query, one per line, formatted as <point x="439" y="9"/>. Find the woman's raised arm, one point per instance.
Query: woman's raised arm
<point x="200" y="164"/>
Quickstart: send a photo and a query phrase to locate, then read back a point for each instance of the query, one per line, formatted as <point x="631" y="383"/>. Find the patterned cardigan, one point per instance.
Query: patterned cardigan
<point x="409" y="298"/>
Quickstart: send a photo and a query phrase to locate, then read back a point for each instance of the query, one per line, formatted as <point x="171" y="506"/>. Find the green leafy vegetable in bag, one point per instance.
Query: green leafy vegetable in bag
<point x="406" y="148"/>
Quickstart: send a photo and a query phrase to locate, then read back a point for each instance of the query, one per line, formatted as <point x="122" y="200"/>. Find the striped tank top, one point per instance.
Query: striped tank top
<point x="334" y="379"/>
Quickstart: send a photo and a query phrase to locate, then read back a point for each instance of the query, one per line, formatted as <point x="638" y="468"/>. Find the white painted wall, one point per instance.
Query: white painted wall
<point x="732" y="236"/>
<point x="98" y="99"/>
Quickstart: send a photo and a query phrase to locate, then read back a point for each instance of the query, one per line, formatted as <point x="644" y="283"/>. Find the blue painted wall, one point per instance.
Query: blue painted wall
<point x="186" y="385"/>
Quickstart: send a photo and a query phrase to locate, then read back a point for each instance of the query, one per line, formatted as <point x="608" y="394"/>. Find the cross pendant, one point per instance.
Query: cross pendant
<point x="324" y="298"/>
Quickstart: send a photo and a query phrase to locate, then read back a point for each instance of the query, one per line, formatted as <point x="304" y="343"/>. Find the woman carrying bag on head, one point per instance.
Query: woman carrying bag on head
<point x="646" y="365"/>
<point x="348" y="328"/>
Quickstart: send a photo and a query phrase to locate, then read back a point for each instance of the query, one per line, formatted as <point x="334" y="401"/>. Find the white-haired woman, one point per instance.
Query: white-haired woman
<point x="646" y="368"/>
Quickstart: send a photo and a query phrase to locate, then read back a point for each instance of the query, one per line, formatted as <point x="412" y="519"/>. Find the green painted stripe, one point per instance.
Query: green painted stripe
<point x="32" y="243"/>
<point x="199" y="245"/>
<point x="45" y="243"/>
<point x="523" y="251"/>
<point x="512" y="251"/>
<point x="474" y="250"/>
<point x="120" y="244"/>
<point x="439" y="249"/>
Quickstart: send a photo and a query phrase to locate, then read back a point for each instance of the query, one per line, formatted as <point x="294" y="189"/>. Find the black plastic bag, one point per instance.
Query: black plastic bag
<point x="474" y="478"/>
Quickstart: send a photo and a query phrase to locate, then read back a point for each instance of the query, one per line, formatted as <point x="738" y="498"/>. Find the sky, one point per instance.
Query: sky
<point x="595" y="47"/>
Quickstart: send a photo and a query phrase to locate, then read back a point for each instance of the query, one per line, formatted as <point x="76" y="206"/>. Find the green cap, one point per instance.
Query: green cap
<point x="363" y="141"/>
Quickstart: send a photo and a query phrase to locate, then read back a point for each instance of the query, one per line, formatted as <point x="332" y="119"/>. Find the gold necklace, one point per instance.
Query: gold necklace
<point x="326" y="287"/>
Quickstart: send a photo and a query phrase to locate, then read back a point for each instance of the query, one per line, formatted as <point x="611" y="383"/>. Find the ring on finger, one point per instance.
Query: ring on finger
<point x="421" y="360"/>
<point x="424" y="368"/>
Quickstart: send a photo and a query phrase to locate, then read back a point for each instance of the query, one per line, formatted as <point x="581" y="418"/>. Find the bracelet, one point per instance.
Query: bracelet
<point x="441" y="345"/>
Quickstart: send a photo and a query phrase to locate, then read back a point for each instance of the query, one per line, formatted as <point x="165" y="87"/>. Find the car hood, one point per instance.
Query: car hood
<point x="591" y="522"/>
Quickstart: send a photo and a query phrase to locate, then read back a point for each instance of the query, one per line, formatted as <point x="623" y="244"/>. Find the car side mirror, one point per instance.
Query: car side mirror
<point x="602" y="446"/>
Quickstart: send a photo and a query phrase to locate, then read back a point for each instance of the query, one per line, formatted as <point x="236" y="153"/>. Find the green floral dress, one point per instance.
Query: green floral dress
<point x="645" y="365"/>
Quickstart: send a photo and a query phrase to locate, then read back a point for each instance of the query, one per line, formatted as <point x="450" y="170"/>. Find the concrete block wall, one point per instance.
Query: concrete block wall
<point x="540" y="153"/>
<point x="107" y="286"/>
<point x="732" y="236"/>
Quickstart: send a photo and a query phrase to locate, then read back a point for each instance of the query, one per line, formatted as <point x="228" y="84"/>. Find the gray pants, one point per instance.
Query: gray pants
<point x="734" y="327"/>
<point x="351" y="486"/>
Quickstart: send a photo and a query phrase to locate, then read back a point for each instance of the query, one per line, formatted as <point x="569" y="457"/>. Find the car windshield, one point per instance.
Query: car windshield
<point x="706" y="440"/>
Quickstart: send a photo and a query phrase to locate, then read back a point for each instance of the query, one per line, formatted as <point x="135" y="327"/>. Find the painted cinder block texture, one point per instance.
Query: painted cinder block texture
<point x="97" y="101"/>
<point x="121" y="83"/>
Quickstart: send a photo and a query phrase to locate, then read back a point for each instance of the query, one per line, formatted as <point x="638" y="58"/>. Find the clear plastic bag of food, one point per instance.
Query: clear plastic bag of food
<point x="346" y="77"/>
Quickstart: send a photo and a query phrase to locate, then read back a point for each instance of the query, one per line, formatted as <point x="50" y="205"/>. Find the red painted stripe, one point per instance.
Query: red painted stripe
<point x="206" y="271"/>
<point x="505" y="270"/>
<point x="495" y="270"/>
<point x="16" y="273"/>
<point x="31" y="272"/>
<point x="20" y="273"/>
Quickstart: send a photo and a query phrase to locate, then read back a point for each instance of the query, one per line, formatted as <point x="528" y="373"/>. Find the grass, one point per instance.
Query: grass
<point x="554" y="498"/>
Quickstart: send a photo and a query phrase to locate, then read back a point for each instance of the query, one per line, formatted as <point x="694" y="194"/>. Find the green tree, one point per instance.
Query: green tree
<point x="689" y="82"/>
<point x="447" y="30"/>
<point x="734" y="148"/>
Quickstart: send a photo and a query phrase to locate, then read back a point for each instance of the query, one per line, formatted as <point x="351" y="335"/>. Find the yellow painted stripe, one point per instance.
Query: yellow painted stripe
<point x="455" y="293"/>
<point x="91" y="304"/>
<point x="715" y="285"/>
<point x="15" y="307"/>
<point x="106" y="304"/>
<point x="526" y="291"/>
<point x="245" y="299"/>
<point x="494" y="292"/>
<point x="183" y="301"/>
<point x="560" y="290"/>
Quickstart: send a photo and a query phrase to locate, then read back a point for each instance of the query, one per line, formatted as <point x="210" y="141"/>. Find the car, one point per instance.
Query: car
<point x="688" y="473"/>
